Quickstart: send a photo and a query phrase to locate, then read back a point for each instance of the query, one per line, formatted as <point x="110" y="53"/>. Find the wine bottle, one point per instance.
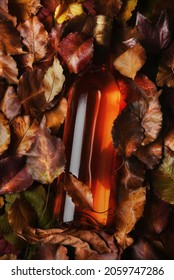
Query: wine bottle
<point x="94" y="101"/>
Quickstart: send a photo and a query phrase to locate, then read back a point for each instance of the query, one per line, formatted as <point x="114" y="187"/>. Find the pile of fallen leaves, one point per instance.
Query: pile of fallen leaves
<point x="44" y="45"/>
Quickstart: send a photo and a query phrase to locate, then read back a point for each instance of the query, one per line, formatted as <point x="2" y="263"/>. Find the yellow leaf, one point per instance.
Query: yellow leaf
<point x="53" y="80"/>
<point x="4" y="134"/>
<point x="131" y="61"/>
<point x="65" y="12"/>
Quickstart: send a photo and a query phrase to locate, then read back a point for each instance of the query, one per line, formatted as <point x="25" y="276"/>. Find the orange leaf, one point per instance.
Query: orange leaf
<point x="131" y="61"/>
<point x="8" y="69"/>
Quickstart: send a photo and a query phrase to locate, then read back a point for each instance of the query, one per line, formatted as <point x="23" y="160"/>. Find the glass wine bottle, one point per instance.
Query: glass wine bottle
<point x="94" y="101"/>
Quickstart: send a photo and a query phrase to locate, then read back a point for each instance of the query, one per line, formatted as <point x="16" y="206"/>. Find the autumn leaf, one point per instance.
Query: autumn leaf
<point x="10" y="40"/>
<point x="21" y="216"/>
<point x="126" y="10"/>
<point x="4" y="5"/>
<point x="45" y="14"/>
<point x="165" y="76"/>
<point x="66" y="11"/>
<point x="23" y="9"/>
<point x="30" y="91"/>
<point x="1" y="201"/>
<point x="56" y="116"/>
<point x="162" y="178"/>
<point x="89" y="6"/>
<point x="127" y="133"/>
<point x="76" y="52"/>
<point x="8" y="69"/>
<point x="5" y="134"/>
<point x="25" y="134"/>
<point x="109" y="8"/>
<point x="130" y="208"/>
<point x="10" y="104"/>
<point x="53" y="80"/>
<point x="131" y="61"/>
<point x="35" y="39"/>
<point x="16" y="177"/>
<point x="46" y="159"/>
<point x="157" y="36"/>
<point x="80" y="193"/>
<point x="169" y="139"/>
<point x="132" y="174"/>
<point x="51" y="252"/>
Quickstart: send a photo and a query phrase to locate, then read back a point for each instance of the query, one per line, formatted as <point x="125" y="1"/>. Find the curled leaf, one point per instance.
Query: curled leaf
<point x="25" y="133"/>
<point x="131" y="61"/>
<point x="80" y="193"/>
<point x="5" y="135"/>
<point x="76" y="52"/>
<point x="8" y="69"/>
<point x="130" y="208"/>
<point x="35" y="39"/>
<point x="10" y="104"/>
<point x="16" y="177"/>
<point x="127" y="133"/>
<point x="53" y="80"/>
<point x="46" y="159"/>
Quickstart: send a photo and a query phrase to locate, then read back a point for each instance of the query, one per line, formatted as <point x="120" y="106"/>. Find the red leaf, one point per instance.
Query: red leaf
<point x="16" y="177"/>
<point x="76" y="52"/>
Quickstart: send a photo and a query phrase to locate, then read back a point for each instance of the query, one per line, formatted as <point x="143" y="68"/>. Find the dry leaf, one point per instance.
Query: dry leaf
<point x="8" y="257"/>
<point x="21" y="216"/>
<point x="56" y="116"/>
<point x="46" y="159"/>
<point x="8" y="69"/>
<point x="131" y="61"/>
<point x="126" y="10"/>
<point x="109" y="8"/>
<point x="5" y="135"/>
<point x="53" y="80"/>
<point x="76" y="52"/>
<point x="23" y="9"/>
<point x="80" y="193"/>
<point x="10" y="40"/>
<point x="165" y="76"/>
<point x="35" y="39"/>
<point x="130" y="208"/>
<point x="10" y="104"/>
<point x="66" y="11"/>
<point x="25" y="133"/>
<point x="16" y="177"/>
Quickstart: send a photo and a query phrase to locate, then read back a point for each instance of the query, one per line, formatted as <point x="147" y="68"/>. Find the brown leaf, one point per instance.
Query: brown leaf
<point x="4" y="14"/>
<point x="150" y="154"/>
<point x="131" y="61"/>
<point x="76" y="52"/>
<point x="50" y="252"/>
<point x="169" y="139"/>
<point x="80" y="193"/>
<point x="67" y="10"/>
<point x="21" y="216"/>
<point x="152" y="120"/>
<point x="56" y="116"/>
<point x="10" y="104"/>
<point x="30" y="91"/>
<point x="5" y="135"/>
<point x="132" y="174"/>
<point x="53" y="80"/>
<point x="165" y="76"/>
<point x="8" y="257"/>
<point x="8" y="69"/>
<point x="25" y="134"/>
<point x="23" y="9"/>
<point x="16" y="177"/>
<point x="130" y="208"/>
<point x="45" y="13"/>
<point x="10" y="41"/>
<point x="110" y="7"/>
<point x="4" y="5"/>
<point x="127" y="133"/>
<point x="35" y="39"/>
<point x="46" y="159"/>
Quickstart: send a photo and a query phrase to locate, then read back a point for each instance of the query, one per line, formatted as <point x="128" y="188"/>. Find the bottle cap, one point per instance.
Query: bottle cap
<point x="102" y="30"/>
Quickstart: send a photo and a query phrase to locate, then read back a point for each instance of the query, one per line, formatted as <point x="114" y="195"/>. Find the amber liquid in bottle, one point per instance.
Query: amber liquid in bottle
<point x="93" y="104"/>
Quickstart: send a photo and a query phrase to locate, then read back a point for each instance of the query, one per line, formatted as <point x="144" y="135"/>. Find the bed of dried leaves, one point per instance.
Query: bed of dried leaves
<point x="43" y="46"/>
